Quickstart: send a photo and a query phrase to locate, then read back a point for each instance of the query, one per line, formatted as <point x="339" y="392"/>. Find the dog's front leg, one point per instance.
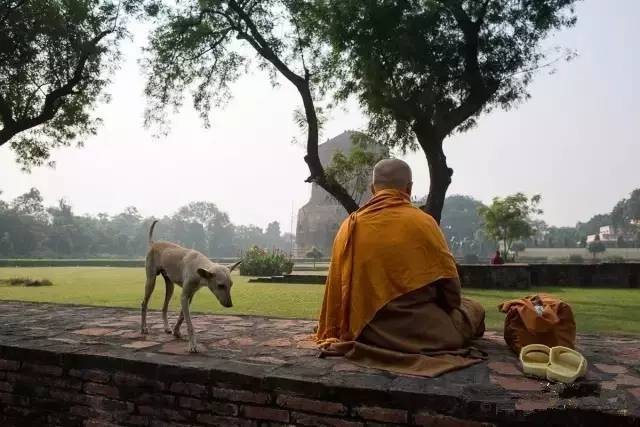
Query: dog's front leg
<point x="193" y="348"/>
<point x="148" y="290"/>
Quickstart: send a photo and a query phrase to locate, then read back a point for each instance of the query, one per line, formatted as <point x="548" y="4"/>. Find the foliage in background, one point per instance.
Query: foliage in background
<point x="28" y="229"/>
<point x="596" y="247"/>
<point x="353" y="171"/>
<point x="55" y="61"/>
<point x="509" y="219"/>
<point x="259" y="262"/>
<point x="314" y="254"/>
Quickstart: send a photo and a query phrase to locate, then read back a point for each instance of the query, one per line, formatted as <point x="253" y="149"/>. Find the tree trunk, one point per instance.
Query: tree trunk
<point x="312" y="158"/>
<point x="439" y="178"/>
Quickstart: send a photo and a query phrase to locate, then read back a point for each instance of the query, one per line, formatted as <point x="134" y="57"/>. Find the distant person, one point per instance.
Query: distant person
<point x="393" y="298"/>
<point x="497" y="259"/>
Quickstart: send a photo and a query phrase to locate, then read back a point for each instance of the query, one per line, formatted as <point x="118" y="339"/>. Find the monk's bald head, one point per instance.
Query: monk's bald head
<point x="392" y="174"/>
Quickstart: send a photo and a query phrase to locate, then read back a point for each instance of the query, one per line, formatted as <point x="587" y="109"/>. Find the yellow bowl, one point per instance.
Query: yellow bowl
<point x="535" y="360"/>
<point x="565" y="365"/>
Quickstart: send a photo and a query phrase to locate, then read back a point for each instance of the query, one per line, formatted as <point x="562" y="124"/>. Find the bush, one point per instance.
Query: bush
<point x="617" y="259"/>
<point x="576" y="259"/>
<point x="258" y="262"/>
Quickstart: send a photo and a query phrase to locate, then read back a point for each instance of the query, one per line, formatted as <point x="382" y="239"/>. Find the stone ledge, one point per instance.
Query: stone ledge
<point x="77" y="364"/>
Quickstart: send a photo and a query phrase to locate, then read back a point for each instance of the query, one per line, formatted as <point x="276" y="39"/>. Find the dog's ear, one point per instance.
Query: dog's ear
<point x="204" y="273"/>
<point x="234" y="265"/>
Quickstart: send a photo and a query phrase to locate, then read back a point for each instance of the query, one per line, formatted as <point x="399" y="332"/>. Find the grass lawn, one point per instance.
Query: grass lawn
<point x="596" y="310"/>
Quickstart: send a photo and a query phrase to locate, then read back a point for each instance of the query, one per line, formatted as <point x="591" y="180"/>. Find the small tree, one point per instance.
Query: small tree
<point x="596" y="247"/>
<point x="509" y="219"/>
<point x="315" y="254"/>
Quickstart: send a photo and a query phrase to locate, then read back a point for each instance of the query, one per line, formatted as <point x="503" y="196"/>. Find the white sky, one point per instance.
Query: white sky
<point x="575" y="141"/>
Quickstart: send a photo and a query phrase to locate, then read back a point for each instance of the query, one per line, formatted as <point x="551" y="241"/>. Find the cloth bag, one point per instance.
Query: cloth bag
<point x="538" y="319"/>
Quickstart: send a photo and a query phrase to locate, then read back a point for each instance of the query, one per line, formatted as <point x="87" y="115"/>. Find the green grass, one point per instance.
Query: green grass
<point x="596" y="310"/>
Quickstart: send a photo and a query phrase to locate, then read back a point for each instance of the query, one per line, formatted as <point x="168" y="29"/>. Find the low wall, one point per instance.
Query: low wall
<point x="41" y="388"/>
<point x="524" y="276"/>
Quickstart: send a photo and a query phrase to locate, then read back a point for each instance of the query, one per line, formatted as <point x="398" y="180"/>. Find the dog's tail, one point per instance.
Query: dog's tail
<point x="153" y="224"/>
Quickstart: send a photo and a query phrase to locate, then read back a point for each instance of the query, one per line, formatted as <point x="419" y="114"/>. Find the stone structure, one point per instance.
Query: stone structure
<point x="319" y="219"/>
<point x="86" y="366"/>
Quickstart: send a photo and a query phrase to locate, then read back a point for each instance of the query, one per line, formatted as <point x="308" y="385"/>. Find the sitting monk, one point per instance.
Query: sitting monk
<point x="393" y="298"/>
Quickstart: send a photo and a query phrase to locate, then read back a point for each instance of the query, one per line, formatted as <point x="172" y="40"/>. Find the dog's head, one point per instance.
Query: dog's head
<point x="218" y="280"/>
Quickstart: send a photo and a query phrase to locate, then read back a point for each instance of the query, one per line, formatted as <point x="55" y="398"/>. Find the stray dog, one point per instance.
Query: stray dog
<point x="186" y="268"/>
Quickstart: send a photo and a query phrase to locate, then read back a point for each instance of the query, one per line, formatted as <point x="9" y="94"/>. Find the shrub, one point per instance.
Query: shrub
<point x="576" y="259"/>
<point x="616" y="259"/>
<point x="259" y="262"/>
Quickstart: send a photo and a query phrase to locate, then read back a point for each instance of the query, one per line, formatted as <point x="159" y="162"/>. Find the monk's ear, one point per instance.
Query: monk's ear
<point x="204" y="273"/>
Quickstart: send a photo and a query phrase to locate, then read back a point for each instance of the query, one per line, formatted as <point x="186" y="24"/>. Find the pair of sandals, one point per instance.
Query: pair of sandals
<point x="558" y="364"/>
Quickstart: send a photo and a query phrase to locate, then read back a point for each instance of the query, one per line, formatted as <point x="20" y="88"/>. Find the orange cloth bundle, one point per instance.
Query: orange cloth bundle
<point x="538" y="319"/>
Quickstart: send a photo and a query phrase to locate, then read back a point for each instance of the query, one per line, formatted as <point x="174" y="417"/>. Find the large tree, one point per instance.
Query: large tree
<point x="424" y="69"/>
<point x="201" y="46"/>
<point x="55" y="59"/>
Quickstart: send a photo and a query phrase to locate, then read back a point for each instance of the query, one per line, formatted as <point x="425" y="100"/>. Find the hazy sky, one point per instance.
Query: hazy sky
<point x="575" y="141"/>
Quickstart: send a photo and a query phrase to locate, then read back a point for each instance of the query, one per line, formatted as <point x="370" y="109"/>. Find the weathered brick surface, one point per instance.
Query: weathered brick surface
<point x="304" y="419"/>
<point x="190" y="389"/>
<point x="265" y="413"/>
<point x="235" y="395"/>
<point x="385" y="415"/>
<point x="9" y="365"/>
<point x="311" y="405"/>
<point x="93" y="375"/>
<point x="428" y="419"/>
<point x="101" y="389"/>
<point x="54" y="371"/>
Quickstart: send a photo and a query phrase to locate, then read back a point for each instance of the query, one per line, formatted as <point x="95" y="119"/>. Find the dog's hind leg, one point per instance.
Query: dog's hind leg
<point x="167" y="297"/>
<point x="176" y="327"/>
<point x="148" y="290"/>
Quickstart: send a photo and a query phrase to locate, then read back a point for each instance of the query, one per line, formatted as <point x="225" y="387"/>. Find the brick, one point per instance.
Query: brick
<point x="299" y="418"/>
<point x="434" y="420"/>
<point x="99" y="423"/>
<point x="9" y="365"/>
<point x="101" y="389"/>
<point x="156" y="399"/>
<point x="136" y="381"/>
<point x="135" y="420"/>
<point x="264" y="413"/>
<point x="191" y="403"/>
<point x="85" y="412"/>
<point x="189" y="389"/>
<point x="54" y="371"/>
<point x="93" y="375"/>
<point x="310" y="405"/>
<point x="164" y="413"/>
<point x="38" y="380"/>
<point x="5" y="386"/>
<point x="223" y="408"/>
<point x="110" y="405"/>
<point x="160" y="423"/>
<point x="68" y="396"/>
<point x="224" y="421"/>
<point x="385" y="415"/>
<point x="236" y="395"/>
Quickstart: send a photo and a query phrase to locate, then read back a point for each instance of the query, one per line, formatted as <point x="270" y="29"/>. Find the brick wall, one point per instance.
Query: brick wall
<point x="37" y="393"/>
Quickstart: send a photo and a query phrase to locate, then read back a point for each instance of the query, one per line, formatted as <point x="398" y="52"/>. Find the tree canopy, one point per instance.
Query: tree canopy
<point x="203" y="46"/>
<point x="509" y="219"/>
<point x="55" y="62"/>
<point x="423" y="70"/>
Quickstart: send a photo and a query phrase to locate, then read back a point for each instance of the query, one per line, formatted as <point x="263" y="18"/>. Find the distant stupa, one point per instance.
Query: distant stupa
<point x="319" y="219"/>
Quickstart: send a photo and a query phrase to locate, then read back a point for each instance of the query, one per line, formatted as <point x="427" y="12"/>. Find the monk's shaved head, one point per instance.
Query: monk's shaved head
<point x="392" y="174"/>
